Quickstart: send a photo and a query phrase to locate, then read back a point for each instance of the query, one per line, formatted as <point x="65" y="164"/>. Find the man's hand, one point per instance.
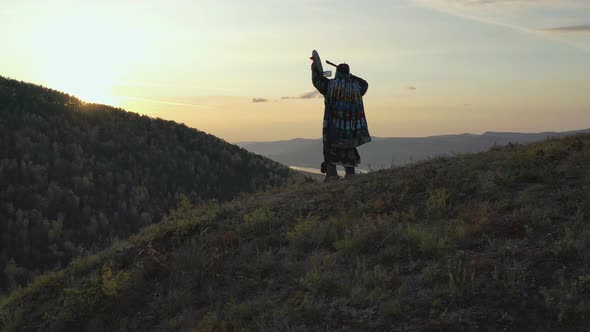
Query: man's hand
<point x="315" y="68"/>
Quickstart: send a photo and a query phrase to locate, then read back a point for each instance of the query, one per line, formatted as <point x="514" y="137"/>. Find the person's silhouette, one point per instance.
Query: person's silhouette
<point x="345" y="126"/>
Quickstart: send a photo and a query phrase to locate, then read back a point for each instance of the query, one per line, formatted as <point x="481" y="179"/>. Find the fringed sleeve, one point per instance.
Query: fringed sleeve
<point x="319" y="81"/>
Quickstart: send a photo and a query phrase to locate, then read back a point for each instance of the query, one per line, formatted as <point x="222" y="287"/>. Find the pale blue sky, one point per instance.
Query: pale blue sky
<point x="434" y="66"/>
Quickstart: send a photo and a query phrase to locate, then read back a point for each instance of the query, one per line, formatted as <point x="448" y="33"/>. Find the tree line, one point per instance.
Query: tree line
<point x="74" y="175"/>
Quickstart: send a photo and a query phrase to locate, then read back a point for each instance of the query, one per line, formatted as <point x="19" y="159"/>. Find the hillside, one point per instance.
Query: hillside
<point x="494" y="241"/>
<point x="75" y="175"/>
<point x="385" y="152"/>
<point x="490" y="241"/>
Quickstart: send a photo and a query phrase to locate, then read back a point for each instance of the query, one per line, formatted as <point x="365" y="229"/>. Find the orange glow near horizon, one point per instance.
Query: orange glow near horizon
<point x="431" y="68"/>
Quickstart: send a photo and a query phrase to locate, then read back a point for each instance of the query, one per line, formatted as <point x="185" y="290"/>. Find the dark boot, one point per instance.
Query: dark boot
<point x="331" y="173"/>
<point x="349" y="171"/>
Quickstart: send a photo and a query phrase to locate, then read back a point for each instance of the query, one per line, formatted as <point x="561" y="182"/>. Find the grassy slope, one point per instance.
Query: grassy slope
<point x="74" y="175"/>
<point x="493" y="241"/>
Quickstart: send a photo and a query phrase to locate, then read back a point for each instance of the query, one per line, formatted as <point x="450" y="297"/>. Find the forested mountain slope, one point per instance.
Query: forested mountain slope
<point x="74" y="175"/>
<point x="494" y="241"/>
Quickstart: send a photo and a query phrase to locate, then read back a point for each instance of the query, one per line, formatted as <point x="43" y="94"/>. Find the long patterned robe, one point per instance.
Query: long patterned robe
<point x="345" y="125"/>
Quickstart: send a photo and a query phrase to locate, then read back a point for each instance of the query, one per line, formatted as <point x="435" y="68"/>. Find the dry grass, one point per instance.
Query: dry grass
<point x="491" y="241"/>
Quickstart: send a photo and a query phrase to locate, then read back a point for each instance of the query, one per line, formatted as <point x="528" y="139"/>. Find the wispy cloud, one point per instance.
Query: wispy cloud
<point x="260" y="100"/>
<point x="489" y="12"/>
<point x="569" y="29"/>
<point x="307" y="95"/>
<point x="163" y="102"/>
<point x="478" y="2"/>
<point x="553" y="3"/>
<point x="412" y="88"/>
<point x="461" y="8"/>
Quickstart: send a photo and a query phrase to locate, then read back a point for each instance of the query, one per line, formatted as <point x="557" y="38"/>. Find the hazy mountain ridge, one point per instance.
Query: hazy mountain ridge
<point x="73" y="175"/>
<point x="385" y="152"/>
<point x="494" y="241"/>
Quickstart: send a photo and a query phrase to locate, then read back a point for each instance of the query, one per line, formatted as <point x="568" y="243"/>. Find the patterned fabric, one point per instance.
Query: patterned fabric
<point x="345" y="125"/>
<point x="344" y="157"/>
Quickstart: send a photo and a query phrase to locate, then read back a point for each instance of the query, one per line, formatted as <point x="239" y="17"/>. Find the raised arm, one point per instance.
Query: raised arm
<point x="364" y="85"/>
<point x="319" y="81"/>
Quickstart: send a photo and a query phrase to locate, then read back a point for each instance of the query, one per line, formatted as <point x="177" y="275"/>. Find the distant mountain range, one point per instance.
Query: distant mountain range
<point x="385" y="152"/>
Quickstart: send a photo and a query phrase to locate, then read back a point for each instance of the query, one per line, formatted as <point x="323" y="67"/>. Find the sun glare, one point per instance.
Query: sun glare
<point x="90" y="63"/>
<point x="87" y="85"/>
<point x="81" y="80"/>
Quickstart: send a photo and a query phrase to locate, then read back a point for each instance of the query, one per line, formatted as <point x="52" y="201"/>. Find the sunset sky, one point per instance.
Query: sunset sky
<point x="433" y="66"/>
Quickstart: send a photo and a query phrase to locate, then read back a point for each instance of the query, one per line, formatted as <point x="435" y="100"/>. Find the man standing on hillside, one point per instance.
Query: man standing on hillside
<point x="345" y="126"/>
